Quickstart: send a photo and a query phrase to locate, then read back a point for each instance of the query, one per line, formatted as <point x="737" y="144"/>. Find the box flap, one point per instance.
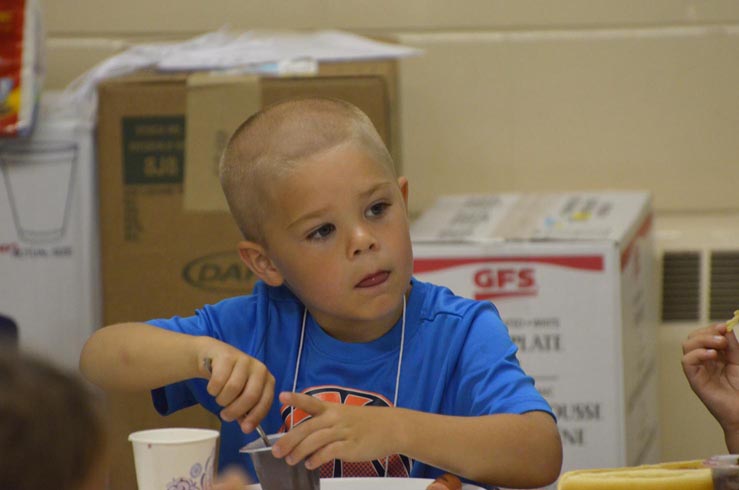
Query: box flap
<point x="216" y="105"/>
<point x="144" y="76"/>
<point x="584" y="216"/>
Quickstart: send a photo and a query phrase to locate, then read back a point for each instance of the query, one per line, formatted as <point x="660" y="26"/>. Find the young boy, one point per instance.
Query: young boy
<point x="378" y="374"/>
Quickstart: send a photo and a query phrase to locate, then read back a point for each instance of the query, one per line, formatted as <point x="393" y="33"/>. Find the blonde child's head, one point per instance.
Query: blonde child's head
<point x="51" y="432"/>
<point x="313" y="189"/>
<point x="271" y="142"/>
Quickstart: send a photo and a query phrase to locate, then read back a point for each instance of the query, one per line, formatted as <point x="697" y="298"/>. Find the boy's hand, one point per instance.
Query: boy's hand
<point x="711" y="365"/>
<point x="334" y="431"/>
<point x="241" y="384"/>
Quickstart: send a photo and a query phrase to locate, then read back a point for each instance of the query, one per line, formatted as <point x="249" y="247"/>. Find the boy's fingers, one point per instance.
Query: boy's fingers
<point x="251" y="392"/>
<point x="313" y="407"/>
<point x="697" y="357"/>
<point x="326" y="449"/>
<point x="308" y="403"/>
<point x="217" y="380"/>
<point x="296" y="444"/>
<point x="715" y="329"/>
<point x="233" y="389"/>
<point x="706" y="341"/>
<point x="249" y="422"/>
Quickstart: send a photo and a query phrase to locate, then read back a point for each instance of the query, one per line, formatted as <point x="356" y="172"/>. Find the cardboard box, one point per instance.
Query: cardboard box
<point x="573" y="276"/>
<point x="49" y="262"/>
<point x="168" y="241"/>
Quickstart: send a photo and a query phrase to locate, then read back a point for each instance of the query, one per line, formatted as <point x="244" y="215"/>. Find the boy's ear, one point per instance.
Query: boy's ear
<point x="256" y="259"/>
<point x="403" y="184"/>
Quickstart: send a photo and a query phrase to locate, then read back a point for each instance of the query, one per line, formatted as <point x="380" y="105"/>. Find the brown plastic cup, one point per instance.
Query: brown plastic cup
<point x="275" y="473"/>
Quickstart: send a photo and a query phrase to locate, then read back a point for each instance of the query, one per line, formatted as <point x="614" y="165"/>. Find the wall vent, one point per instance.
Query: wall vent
<point x="724" y="289"/>
<point x="681" y="286"/>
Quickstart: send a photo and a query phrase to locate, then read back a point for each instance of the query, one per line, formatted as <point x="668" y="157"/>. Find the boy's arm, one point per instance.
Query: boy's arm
<point x="509" y="450"/>
<point x="138" y="356"/>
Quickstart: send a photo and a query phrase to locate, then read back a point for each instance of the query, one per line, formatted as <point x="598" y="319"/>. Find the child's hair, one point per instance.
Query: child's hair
<point x="8" y="332"/>
<point x="273" y="140"/>
<point x="51" y="432"/>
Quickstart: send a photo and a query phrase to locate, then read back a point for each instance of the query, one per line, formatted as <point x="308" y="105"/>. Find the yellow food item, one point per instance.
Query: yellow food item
<point x="688" y="475"/>
<point x="733" y="322"/>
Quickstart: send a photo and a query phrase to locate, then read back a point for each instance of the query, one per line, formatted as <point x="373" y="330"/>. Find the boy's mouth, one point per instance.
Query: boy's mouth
<point x="373" y="279"/>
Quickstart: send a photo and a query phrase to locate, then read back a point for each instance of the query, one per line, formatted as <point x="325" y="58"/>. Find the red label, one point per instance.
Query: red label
<point x="12" y="13"/>
<point x="505" y="282"/>
<point x="580" y="262"/>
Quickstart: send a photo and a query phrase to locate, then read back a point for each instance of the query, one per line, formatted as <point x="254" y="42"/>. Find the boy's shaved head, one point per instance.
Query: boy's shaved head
<point x="269" y="143"/>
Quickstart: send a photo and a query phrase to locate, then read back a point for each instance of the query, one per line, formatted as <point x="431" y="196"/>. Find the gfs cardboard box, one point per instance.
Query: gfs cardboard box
<point x="168" y="242"/>
<point x="573" y="276"/>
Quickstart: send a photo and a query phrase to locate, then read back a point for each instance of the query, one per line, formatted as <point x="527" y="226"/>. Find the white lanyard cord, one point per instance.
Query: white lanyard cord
<point x="397" y="375"/>
<point x="297" y="363"/>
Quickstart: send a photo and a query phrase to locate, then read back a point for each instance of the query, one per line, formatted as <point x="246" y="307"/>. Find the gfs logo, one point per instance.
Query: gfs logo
<point x="505" y="282"/>
<point x="397" y="464"/>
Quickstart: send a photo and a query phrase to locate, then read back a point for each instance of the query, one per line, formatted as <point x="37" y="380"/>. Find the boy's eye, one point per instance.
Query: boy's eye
<point x="321" y="232"/>
<point x="377" y="209"/>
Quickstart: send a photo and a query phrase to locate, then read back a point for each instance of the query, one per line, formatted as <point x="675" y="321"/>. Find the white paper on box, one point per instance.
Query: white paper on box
<point x="49" y="278"/>
<point x="572" y="277"/>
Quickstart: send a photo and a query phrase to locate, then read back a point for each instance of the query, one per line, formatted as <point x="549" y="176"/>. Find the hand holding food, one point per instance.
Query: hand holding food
<point x="711" y="365"/>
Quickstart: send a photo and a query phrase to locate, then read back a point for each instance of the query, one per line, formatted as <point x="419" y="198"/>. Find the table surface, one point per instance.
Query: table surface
<point x="372" y="484"/>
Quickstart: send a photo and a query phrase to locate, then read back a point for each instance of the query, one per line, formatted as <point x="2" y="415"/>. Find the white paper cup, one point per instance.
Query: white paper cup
<point x="174" y="459"/>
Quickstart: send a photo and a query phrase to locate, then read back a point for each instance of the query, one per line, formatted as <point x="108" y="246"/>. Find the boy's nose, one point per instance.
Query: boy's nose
<point x="362" y="241"/>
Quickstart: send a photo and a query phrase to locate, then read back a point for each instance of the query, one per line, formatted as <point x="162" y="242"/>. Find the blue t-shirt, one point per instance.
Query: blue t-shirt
<point x="458" y="359"/>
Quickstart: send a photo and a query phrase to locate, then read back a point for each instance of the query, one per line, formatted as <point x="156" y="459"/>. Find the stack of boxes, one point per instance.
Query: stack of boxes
<point x="573" y="276"/>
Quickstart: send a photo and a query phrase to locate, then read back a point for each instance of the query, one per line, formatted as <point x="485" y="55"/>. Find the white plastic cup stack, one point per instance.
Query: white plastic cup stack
<point x="174" y="458"/>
